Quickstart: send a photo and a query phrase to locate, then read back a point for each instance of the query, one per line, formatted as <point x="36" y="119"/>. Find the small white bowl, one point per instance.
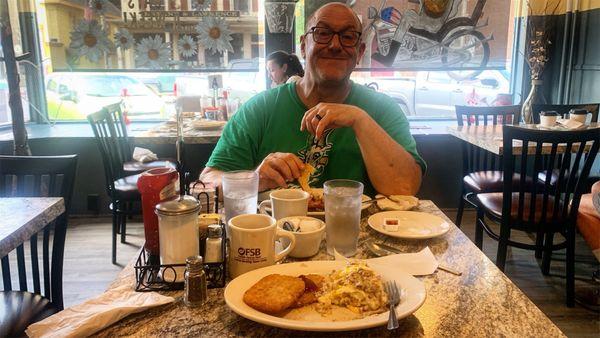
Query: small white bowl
<point x="307" y="243"/>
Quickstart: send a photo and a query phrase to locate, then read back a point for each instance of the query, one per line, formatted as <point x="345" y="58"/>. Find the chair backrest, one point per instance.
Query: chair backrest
<point x="40" y="176"/>
<point x="109" y="145"/>
<point x="116" y="114"/>
<point x="555" y="204"/>
<point x="563" y="109"/>
<point x="476" y="158"/>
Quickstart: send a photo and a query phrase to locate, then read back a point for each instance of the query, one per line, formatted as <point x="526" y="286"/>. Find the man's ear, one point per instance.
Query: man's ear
<point x="361" y="52"/>
<point x="303" y="46"/>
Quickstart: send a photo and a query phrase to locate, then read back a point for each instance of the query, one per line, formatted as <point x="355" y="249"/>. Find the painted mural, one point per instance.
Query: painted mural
<point x="453" y="35"/>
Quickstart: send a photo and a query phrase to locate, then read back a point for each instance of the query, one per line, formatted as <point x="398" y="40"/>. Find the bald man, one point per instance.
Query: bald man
<point x="343" y="129"/>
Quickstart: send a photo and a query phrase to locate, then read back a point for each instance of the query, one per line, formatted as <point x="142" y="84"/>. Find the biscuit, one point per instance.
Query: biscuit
<point x="274" y="293"/>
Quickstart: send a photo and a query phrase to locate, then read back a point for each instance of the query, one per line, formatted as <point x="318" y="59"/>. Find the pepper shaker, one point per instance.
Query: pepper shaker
<point x="195" y="282"/>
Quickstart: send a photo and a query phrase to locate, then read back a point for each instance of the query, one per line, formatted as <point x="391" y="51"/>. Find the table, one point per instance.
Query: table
<point x="490" y="138"/>
<point x="24" y="216"/>
<point x="481" y="302"/>
<point x="166" y="133"/>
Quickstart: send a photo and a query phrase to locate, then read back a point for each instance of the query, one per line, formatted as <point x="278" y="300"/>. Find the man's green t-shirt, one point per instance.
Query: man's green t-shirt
<point x="270" y="122"/>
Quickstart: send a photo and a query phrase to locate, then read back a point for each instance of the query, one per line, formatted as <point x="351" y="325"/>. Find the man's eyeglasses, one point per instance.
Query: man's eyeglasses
<point x="323" y="35"/>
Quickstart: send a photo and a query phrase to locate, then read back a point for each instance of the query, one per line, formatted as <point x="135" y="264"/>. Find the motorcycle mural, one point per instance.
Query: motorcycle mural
<point x="435" y="36"/>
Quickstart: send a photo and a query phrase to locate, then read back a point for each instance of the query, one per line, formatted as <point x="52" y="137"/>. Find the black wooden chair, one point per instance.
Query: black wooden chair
<point x="563" y="109"/>
<point x="481" y="169"/>
<point x="121" y="188"/>
<point x="131" y="166"/>
<point x="543" y="210"/>
<point x="35" y="176"/>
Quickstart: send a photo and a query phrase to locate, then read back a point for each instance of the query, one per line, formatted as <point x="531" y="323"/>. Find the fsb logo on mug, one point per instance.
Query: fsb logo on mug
<point x="255" y="252"/>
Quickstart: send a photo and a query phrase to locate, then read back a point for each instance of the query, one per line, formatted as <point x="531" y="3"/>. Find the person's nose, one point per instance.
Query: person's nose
<point x="335" y="43"/>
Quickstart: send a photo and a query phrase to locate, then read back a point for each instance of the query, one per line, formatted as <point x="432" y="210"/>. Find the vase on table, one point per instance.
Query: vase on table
<point x="536" y="96"/>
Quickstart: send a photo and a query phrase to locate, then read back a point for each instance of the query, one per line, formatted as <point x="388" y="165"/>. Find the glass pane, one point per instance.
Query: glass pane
<point x="442" y="56"/>
<point x="114" y="37"/>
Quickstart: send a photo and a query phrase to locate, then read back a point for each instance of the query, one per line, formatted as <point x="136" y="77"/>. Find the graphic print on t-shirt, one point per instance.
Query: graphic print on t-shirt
<point x="316" y="153"/>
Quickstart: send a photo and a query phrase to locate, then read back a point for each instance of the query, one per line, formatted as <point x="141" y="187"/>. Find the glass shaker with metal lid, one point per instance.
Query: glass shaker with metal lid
<point x="195" y="282"/>
<point x="178" y="233"/>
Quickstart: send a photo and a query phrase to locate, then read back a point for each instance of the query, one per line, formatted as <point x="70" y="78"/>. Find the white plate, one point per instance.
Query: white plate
<point x="319" y="214"/>
<point x="413" y="296"/>
<point x="412" y="224"/>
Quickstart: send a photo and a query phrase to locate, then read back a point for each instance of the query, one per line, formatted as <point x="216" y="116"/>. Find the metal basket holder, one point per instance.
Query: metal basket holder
<point x="151" y="277"/>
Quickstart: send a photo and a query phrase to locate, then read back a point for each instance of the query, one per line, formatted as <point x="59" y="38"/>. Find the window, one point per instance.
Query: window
<point x="425" y="76"/>
<point x="151" y="37"/>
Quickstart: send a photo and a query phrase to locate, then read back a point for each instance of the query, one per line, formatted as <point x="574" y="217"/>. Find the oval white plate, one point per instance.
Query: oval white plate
<point x="412" y="224"/>
<point x="319" y="214"/>
<point x="413" y="296"/>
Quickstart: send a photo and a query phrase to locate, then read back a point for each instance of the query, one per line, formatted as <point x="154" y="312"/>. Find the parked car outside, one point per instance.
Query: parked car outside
<point x="434" y="94"/>
<point x="73" y="96"/>
<point x="241" y="85"/>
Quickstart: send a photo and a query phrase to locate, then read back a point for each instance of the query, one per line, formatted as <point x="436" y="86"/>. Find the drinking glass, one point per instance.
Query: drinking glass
<point x="343" y="200"/>
<point x="240" y="193"/>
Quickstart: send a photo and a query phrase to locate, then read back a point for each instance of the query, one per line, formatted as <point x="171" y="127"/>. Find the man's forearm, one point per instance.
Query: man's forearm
<point x="391" y="169"/>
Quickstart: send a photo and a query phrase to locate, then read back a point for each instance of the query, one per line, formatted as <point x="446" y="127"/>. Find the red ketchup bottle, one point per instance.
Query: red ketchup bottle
<point x="155" y="185"/>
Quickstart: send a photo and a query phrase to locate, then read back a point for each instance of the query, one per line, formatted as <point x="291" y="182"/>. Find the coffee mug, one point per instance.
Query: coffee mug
<point x="252" y="243"/>
<point x="285" y="203"/>
<point x="579" y="115"/>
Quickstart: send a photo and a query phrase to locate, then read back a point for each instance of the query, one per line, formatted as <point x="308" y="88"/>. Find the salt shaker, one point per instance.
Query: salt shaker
<point x="214" y="252"/>
<point x="195" y="282"/>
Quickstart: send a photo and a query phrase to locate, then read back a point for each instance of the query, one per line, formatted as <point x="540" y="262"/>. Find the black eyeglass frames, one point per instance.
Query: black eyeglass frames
<point x="348" y="38"/>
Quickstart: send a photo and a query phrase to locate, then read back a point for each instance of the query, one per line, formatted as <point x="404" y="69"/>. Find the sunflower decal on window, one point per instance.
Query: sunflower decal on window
<point x="124" y="39"/>
<point x="186" y="46"/>
<point x="90" y="40"/>
<point x="214" y="34"/>
<point x="152" y="53"/>
<point x="201" y="5"/>
<point x="99" y="7"/>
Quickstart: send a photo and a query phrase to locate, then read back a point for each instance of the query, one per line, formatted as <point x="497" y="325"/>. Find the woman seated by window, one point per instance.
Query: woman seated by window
<point x="284" y="68"/>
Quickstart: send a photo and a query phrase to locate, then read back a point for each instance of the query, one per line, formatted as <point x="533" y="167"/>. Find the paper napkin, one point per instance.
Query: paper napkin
<point x="417" y="264"/>
<point x="97" y="313"/>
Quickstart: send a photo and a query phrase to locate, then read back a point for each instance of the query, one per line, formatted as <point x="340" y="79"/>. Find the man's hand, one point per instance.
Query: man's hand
<point x="277" y="169"/>
<point x="326" y="116"/>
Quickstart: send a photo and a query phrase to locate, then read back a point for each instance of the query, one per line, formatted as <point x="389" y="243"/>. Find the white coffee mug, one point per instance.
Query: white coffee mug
<point x="252" y="243"/>
<point x="285" y="203"/>
<point x="579" y="115"/>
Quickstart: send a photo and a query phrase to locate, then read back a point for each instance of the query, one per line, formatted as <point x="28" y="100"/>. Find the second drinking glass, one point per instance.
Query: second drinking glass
<point x="240" y="193"/>
<point x="343" y="201"/>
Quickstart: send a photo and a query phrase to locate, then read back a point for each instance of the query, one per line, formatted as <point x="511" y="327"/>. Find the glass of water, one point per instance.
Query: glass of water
<point x="240" y="193"/>
<point x="343" y="200"/>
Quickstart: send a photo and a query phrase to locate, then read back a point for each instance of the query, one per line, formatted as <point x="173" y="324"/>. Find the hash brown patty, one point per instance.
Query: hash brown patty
<point x="274" y="293"/>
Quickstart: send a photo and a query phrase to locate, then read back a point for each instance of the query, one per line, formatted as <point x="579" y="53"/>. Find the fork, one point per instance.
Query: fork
<point x="393" y="300"/>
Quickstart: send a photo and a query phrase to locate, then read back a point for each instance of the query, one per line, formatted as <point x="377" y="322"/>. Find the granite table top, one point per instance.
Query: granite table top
<point x="490" y="138"/>
<point x="166" y="133"/>
<point x="24" y="216"/>
<point x="482" y="302"/>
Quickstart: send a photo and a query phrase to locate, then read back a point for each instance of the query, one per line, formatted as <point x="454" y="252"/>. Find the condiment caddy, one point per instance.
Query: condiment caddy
<point x="163" y="277"/>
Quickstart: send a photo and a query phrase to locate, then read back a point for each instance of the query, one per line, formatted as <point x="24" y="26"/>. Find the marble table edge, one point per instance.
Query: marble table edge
<point x="54" y="207"/>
